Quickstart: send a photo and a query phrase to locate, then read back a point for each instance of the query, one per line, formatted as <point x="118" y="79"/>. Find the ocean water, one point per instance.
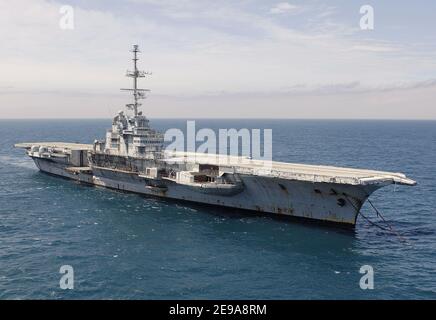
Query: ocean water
<point x="126" y="246"/>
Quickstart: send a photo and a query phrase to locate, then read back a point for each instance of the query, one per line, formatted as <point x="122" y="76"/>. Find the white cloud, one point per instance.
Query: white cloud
<point x="223" y="47"/>
<point x="283" y="7"/>
<point x="195" y="47"/>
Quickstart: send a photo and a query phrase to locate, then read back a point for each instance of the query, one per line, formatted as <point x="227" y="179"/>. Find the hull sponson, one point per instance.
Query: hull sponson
<point x="330" y="202"/>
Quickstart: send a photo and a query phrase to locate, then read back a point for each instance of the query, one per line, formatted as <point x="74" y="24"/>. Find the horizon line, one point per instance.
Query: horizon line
<point x="225" y="118"/>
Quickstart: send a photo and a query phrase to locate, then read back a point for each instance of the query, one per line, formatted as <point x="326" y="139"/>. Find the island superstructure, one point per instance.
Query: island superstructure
<point x="132" y="158"/>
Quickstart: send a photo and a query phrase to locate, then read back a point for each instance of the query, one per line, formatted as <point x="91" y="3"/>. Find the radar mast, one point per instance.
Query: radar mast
<point x="135" y="74"/>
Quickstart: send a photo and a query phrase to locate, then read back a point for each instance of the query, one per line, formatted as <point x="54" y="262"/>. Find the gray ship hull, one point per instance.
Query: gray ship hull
<point x="328" y="202"/>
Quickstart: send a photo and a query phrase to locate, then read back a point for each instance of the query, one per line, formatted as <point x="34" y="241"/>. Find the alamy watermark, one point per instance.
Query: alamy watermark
<point x="66" y="21"/>
<point x="367" y="280"/>
<point x="367" y="20"/>
<point x="67" y="279"/>
<point x="228" y="147"/>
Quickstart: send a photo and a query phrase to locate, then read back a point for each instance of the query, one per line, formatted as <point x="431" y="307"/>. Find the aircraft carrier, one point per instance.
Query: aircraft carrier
<point x="133" y="158"/>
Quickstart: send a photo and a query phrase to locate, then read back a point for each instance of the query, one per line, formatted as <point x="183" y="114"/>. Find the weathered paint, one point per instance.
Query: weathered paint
<point x="300" y="200"/>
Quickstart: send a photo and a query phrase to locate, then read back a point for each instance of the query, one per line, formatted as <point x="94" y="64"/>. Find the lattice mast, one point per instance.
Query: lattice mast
<point x="135" y="74"/>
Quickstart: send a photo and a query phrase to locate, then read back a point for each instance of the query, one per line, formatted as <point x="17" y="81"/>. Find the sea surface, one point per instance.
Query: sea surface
<point x="127" y="246"/>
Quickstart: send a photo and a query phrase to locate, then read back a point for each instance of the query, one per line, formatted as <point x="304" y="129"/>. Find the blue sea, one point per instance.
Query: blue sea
<point x="127" y="246"/>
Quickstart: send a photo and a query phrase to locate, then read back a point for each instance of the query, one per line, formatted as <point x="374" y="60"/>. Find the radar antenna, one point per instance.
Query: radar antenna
<point x="135" y="74"/>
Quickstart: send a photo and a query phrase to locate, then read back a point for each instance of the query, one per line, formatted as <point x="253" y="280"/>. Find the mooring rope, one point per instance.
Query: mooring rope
<point x="389" y="226"/>
<point x="363" y="216"/>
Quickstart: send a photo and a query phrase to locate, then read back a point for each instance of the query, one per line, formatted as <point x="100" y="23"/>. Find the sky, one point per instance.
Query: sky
<point x="219" y="59"/>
